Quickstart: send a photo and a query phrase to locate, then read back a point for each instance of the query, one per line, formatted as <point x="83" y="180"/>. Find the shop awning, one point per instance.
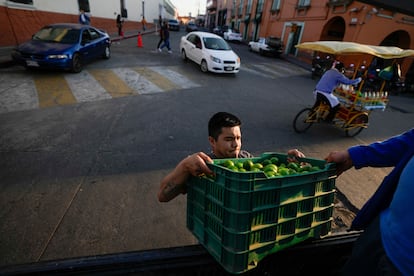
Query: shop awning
<point x="352" y="48"/>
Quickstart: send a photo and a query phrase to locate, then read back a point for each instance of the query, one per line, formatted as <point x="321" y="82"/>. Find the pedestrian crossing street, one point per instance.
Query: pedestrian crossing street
<point x="25" y="91"/>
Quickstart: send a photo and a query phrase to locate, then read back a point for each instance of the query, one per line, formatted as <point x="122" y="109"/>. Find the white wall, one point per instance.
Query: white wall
<point x="99" y="8"/>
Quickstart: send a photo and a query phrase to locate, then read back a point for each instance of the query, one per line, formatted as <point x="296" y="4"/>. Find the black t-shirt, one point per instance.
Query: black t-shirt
<point x="242" y="154"/>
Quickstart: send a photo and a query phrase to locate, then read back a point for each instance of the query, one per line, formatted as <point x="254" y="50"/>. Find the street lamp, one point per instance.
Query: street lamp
<point x="143" y="8"/>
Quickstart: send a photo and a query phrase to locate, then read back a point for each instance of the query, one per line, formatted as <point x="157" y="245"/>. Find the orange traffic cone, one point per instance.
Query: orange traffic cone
<point x="139" y="42"/>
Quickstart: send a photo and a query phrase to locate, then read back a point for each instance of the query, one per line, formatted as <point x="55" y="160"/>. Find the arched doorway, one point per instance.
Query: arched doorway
<point x="334" y="29"/>
<point x="398" y="38"/>
<point x="402" y="40"/>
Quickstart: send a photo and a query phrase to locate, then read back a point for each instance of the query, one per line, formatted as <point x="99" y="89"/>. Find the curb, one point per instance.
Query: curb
<point x="5" y="57"/>
<point x="119" y="38"/>
<point x="7" y="63"/>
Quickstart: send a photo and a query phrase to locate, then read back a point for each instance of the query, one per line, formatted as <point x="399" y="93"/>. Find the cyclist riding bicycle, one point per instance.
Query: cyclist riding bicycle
<point x="329" y="81"/>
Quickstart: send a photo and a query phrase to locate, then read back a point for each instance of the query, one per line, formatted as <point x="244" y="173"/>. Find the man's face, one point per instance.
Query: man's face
<point x="228" y="143"/>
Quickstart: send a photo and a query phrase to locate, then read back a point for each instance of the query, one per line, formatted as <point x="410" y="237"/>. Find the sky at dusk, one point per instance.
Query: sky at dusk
<point x="184" y="7"/>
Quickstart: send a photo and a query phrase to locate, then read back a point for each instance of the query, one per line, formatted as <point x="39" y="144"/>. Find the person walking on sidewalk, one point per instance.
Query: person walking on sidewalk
<point x="161" y="33"/>
<point x="143" y="23"/>
<point x="166" y="38"/>
<point x="119" y="23"/>
<point x="84" y="18"/>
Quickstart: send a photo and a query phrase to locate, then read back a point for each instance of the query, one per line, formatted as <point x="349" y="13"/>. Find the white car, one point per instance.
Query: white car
<point x="267" y="46"/>
<point x="232" y="35"/>
<point x="210" y="51"/>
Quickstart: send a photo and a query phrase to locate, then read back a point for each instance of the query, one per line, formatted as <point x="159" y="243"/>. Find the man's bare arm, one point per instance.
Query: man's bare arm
<point x="175" y="182"/>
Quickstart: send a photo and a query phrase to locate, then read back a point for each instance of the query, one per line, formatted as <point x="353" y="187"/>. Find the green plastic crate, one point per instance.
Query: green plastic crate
<point x="241" y="217"/>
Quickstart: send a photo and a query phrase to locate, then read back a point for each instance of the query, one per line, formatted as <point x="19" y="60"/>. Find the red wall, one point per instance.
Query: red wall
<point x="17" y="26"/>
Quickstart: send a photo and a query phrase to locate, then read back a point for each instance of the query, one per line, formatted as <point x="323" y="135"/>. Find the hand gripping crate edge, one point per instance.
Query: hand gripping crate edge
<point x="240" y="218"/>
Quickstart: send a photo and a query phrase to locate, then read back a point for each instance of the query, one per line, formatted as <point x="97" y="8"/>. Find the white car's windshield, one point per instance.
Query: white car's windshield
<point x="216" y="44"/>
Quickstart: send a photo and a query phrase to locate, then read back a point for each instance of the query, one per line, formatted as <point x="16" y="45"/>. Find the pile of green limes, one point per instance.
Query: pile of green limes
<point x="271" y="167"/>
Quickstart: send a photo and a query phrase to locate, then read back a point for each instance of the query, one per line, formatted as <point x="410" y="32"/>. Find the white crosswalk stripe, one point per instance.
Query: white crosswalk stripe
<point x="274" y="70"/>
<point x="137" y="82"/>
<point x="85" y="88"/>
<point x="288" y="69"/>
<point x="175" y="77"/>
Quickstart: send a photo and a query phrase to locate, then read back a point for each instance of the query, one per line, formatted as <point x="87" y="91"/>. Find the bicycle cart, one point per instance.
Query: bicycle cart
<point x="356" y="104"/>
<point x="352" y="116"/>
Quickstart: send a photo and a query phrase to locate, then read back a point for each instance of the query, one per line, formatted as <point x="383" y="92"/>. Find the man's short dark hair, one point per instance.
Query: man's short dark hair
<point x="220" y="120"/>
<point x="339" y="65"/>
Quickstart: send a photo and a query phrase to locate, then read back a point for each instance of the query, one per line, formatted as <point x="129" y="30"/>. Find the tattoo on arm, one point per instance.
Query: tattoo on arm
<point x="171" y="190"/>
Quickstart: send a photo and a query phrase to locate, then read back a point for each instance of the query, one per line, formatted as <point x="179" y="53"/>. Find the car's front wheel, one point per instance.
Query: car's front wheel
<point x="76" y="63"/>
<point x="183" y="55"/>
<point x="203" y="66"/>
<point x="107" y="52"/>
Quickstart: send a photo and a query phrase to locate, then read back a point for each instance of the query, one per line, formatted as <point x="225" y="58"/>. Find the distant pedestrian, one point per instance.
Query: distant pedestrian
<point x="119" y="23"/>
<point x="166" y="38"/>
<point x="143" y="23"/>
<point x="84" y="18"/>
<point x="161" y="33"/>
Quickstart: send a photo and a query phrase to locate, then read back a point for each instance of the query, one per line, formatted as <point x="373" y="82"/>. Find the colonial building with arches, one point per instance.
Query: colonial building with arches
<point x="375" y="22"/>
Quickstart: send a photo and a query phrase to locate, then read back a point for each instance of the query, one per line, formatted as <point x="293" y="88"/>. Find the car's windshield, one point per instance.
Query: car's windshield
<point x="57" y="34"/>
<point x="216" y="43"/>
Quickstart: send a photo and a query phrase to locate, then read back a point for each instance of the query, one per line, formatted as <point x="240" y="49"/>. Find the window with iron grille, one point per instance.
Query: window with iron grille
<point x="275" y="5"/>
<point x="241" y="7"/>
<point x="84" y="5"/>
<point x="249" y="7"/>
<point x="27" y="2"/>
<point x="304" y="3"/>
<point x="259" y="8"/>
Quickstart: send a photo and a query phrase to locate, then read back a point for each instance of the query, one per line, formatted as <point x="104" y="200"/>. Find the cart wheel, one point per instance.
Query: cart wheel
<point x="356" y="124"/>
<point x="304" y="120"/>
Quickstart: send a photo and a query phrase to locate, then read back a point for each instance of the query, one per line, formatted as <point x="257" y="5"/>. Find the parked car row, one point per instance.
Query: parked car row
<point x="173" y="25"/>
<point x="191" y="26"/>
<point x="271" y="45"/>
<point x="232" y="35"/>
<point x="219" y="30"/>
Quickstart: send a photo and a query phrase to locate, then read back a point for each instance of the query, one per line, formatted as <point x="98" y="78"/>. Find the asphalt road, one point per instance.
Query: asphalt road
<point x="79" y="177"/>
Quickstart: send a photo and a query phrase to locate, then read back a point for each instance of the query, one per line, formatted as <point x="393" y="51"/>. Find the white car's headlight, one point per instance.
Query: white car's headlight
<point x="57" y="56"/>
<point x="216" y="60"/>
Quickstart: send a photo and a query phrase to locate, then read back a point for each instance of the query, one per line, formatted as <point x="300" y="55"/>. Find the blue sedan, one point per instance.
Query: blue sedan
<point x="63" y="46"/>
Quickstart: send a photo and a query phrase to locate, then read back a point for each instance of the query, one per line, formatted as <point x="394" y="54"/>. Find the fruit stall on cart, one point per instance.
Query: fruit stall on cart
<point x="357" y="104"/>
